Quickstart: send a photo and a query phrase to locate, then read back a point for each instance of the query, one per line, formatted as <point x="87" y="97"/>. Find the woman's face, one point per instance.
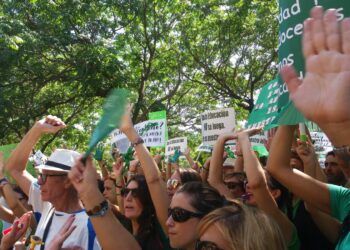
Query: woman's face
<point x="182" y="234"/>
<point x="132" y="204"/>
<point x="212" y="238"/>
<point x="173" y="184"/>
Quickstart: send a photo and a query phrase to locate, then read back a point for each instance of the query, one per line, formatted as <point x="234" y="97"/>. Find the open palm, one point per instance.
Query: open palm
<point x="324" y="94"/>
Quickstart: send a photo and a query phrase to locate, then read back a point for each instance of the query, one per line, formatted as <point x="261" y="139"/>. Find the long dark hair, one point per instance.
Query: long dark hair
<point x="147" y="235"/>
<point x="284" y="201"/>
<point x="187" y="175"/>
<point x="203" y="198"/>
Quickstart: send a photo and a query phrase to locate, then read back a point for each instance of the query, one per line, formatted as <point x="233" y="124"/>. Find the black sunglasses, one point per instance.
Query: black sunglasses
<point x="206" y="245"/>
<point x="43" y="177"/>
<point x="233" y="185"/>
<point x="134" y="192"/>
<point x="182" y="215"/>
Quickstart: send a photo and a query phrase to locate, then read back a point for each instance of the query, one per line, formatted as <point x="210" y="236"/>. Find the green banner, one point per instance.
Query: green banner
<point x="265" y="110"/>
<point x="292" y="14"/>
<point x="6" y="151"/>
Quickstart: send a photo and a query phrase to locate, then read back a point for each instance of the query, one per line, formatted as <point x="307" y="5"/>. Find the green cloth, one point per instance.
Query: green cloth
<point x="113" y="110"/>
<point x="294" y="244"/>
<point x="340" y="207"/>
<point x="163" y="238"/>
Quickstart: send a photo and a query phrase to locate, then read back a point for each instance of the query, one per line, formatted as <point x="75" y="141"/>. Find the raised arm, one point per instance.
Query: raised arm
<point x="84" y="181"/>
<point x="215" y="177"/>
<point x="329" y="226"/>
<point x="156" y="185"/>
<point x="324" y="41"/>
<point x="300" y="184"/>
<point x="258" y="185"/>
<point x="16" y="164"/>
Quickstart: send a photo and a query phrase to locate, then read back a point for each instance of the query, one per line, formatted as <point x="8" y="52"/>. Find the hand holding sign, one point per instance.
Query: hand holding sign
<point x="327" y="54"/>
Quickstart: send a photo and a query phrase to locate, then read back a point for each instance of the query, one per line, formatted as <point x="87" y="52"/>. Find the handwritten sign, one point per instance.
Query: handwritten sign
<point x="215" y="123"/>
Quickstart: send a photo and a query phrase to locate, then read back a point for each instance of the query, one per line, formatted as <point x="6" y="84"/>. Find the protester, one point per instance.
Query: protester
<point x="323" y="42"/>
<point x="333" y="169"/>
<point x="191" y="202"/>
<point x="239" y="227"/>
<point x="110" y="232"/>
<point x="52" y="196"/>
<point x="180" y="177"/>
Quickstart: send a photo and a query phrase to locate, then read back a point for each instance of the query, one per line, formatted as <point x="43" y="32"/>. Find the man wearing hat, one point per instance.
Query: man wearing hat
<point x="52" y="196"/>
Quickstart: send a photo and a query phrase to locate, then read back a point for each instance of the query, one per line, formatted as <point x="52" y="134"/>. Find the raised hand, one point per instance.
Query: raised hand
<point x="118" y="167"/>
<point x="50" y="124"/>
<point x="323" y="95"/>
<point x="84" y="177"/>
<point x="65" y="231"/>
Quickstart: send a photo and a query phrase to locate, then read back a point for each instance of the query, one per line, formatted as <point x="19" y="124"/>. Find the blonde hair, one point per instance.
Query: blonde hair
<point x="244" y="228"/>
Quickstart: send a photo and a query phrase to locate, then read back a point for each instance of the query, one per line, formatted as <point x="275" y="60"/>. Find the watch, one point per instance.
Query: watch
<point x="137" y="142"/>
<point x="99" y="210"/>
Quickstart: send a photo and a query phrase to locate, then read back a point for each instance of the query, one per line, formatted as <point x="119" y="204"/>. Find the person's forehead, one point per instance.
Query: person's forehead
<point x="44" y="171"/>
<point x="331" y="158"/>
<point x="132" y="184"/>
<point x="181" y="200"/>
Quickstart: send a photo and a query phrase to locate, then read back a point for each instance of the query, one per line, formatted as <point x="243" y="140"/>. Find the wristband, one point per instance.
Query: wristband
<point x="99" y="210"/>
<point x="137" y="142"/>
<point x="4" y="181"/>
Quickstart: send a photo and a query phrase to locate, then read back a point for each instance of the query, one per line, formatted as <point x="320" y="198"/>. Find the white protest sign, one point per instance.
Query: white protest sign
<point x="179" y="143"/>
<point x="205" y="148"/>
<point x="120" y="141"/>
<point x="321" y="142"/>
<point x="259" y="139"/>
<point x="215" y="123"/>
<point x="152" y="132"/>
<point x="39" y="158"/>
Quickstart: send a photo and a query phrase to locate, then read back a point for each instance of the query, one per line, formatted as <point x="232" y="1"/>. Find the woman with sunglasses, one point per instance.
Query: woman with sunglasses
<point x="191" y="202"/>
<point x="239" y="227"/>
<point x="261" y="192"/>
<point x="141" y="216"/>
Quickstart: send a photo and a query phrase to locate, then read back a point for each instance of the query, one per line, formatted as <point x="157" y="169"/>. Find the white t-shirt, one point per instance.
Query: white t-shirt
<point x="83" y="235"/>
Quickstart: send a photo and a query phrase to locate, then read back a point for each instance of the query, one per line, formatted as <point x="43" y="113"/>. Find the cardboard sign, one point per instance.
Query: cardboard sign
<point x="215" y="123"/>
<point x="179" y="143"/>
<point x="321" y="143"/>
<point x="152" y="132"/>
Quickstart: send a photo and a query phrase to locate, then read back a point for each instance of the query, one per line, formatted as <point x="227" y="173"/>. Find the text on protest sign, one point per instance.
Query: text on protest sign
<point x="215" y="123"/>
<point x="179" y="143"/>
<point x="152" y="132"/>
<point x="292" y="14"/>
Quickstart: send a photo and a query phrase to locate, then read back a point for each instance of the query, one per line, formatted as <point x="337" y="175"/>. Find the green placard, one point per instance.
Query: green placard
<point x="7" y="150"/>
<point x="157" y="116"/>
<point x="291" y="17"/>
<point x="265" y="110"/>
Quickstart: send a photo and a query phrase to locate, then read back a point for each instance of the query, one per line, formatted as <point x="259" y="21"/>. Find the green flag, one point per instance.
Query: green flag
<point x="265" y="110"/>
<point x="113" y="110"/>
<point x="291" y="17"/>
<point x="158" y="116"/>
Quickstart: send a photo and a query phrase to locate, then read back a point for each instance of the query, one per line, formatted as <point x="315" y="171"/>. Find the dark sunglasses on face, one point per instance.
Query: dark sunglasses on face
<point x="172" y="183"/>
<point x="43" y="177"/>
<point x="182" y="215"/>
<point x="206" y="245"/>
<point x="134" y="192"/>
<point x="233" y="185"/>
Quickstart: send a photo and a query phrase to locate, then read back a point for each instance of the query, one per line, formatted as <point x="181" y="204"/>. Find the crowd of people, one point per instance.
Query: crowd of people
<point x="286" y="202"/>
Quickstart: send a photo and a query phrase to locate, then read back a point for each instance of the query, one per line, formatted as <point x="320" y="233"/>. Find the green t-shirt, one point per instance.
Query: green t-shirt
<point x="294" y="244"/>
<point x="340" y="207"/>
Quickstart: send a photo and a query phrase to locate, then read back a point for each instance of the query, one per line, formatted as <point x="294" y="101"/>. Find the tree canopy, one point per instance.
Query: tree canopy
<point x="62" y="57"/>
